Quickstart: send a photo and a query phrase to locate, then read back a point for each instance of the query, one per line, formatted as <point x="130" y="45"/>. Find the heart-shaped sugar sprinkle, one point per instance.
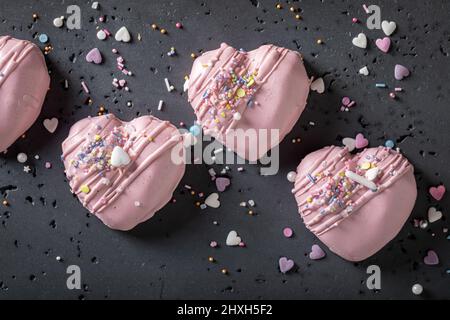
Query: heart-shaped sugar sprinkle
<point x="383" y="44"/>
<point x="388" y="27"/>
<point x="360" y="41"/>
<point x="285" y="264"/>
<point x="434" y="215"/>
<point x="94" y="56"/>
<point x="437" y="192"/>
<point x="222" y="183"/>
<point x="350" y="143"/>
<point x="51" y="124"/>
<point x="119" y="158"/>
<point x="233" y="239"/>
<point x="372" y="174"/>
<point x="431" y="259"/>
<point x="400" y="72"/>
<point x="316" y="253"/>
<point x="361" y="141"/>
<point x="318" y="85"/>
<point x="123" y="35"/>
<point x="213" y="200"/>
<point x="364" y="71"/>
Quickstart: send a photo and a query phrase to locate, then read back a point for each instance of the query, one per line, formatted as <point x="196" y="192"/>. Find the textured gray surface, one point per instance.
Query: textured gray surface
<point x="167" y="257"/>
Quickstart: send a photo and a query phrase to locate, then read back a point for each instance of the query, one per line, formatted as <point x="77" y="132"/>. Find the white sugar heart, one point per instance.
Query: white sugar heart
<point x="434" y="215"/>
<point x="388" y="27"/>
<point x="364" y="71"/>
<point x="372" y="174"/>
<point x="213" y="200"/>
<point x="51" y="124"/>
<point x="233" y="239"/>
<point x="360" y="41"/>
<point x="350" y="143"/>
<point x="123" y="35"/>
<point x="119" y="157"/>
<point x="318" y="85"/>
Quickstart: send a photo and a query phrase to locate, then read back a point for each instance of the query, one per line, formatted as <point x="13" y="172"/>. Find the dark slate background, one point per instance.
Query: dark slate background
<point x="167" y="257"/>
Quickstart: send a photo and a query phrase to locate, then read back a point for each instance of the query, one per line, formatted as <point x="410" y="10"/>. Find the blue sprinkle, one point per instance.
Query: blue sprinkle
<point x="43" y="38"/>
<point x="250" y="102"/>
<point x="380" y="85"/>
<point x="389" y="144"/>
<point x="448" y="271"/>
<point x="195" y="130"/>
<point x="448" y="237"/>
<point x="310" y="177"/>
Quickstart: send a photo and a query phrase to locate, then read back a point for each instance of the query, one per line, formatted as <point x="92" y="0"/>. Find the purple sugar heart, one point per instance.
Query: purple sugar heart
<point x="400" y="72"/>
<point x="383" y="44"/>
<point x="222" y="183"/>
<point x="316" y="253"/>
<point x="285" y="264"/>
<point x="431" y="259"/>
<point x="360" y="141"/>
<point x="94" y="56"/>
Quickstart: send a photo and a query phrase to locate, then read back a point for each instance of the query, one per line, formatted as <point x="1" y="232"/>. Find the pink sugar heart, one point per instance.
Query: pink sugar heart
<point x="437" y="192"/>
<point x="285" y="264"/>
<point x="316" y="253"/>
<point x="383" y="44"/>
<point x="431" y="259"/>
<point x="94" y="56"/>
<point x="361" y="141"/>
<point x="222" y="183"/>
<point x="400" y="72"/>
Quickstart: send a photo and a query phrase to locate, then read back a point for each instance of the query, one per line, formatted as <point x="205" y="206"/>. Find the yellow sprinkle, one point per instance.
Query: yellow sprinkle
<point x="342" y="174"/>
<point x="150" y="139"/>
<point x="228" y="106"/>
<point x="365" y="165"/>
<point x="251" y="82"/>
<point x="240" y="93"/>
<point x="309" y="199"/>
<point x="85" y="189"/>
<point x="217" y="120"/>
<point x="222" y="114"/>
<point x="97" y="137"/>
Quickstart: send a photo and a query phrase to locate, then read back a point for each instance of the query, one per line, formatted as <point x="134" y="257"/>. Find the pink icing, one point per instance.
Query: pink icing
<point x="122" y="197"/>
<point x="352" y="220"/>
<point x="24" y="81"/>
<point x="268" y="87"/>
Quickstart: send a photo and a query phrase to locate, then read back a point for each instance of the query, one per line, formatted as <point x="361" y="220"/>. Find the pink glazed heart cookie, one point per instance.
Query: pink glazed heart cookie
<point x="24" y="81"/>
<point x="355" y="204"/>
<point x="123" y="172"/>
<point x="242" y="98"/>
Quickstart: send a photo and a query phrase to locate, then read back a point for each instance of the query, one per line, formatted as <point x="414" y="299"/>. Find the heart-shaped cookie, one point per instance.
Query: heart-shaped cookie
<point x="24" y="81"/>
<point x="354" y="216"/>
<point x="123" y="172"/>
<point x="242" y="98"/>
